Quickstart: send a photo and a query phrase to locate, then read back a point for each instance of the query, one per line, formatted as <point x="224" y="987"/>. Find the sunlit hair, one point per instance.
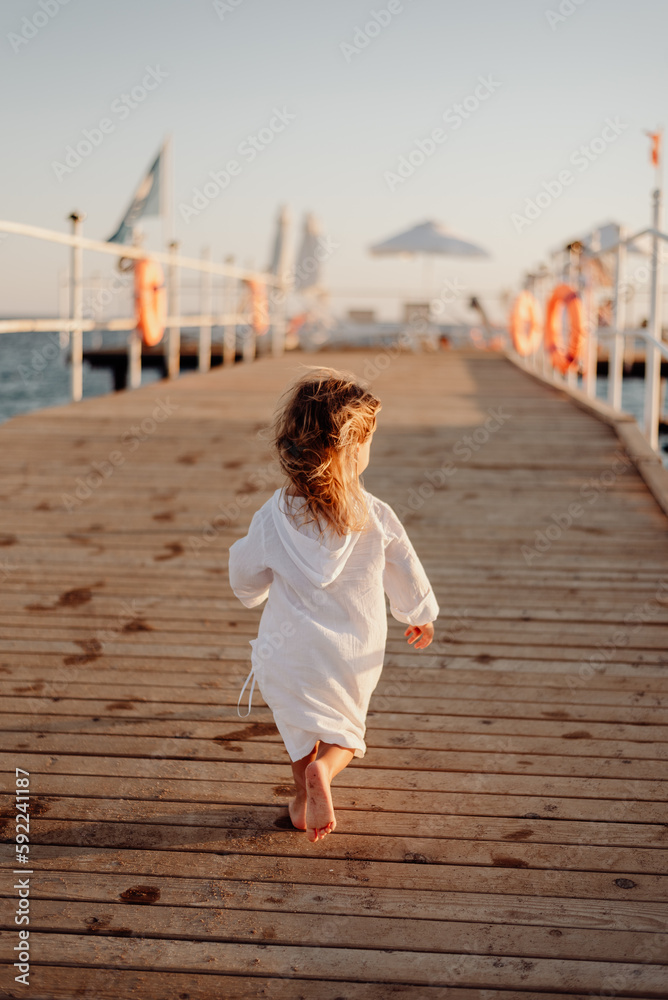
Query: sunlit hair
<point x="321" y="418"/>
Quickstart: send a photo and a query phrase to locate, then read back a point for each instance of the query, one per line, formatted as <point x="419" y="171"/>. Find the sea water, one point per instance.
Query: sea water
<point x="34" y="372"/>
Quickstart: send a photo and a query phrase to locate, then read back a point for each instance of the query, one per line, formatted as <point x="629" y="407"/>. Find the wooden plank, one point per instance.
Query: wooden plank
<point x="327" y="930"/>
<point x="289" y="897"/>
<point x="392" y="967"/>
<point x="544" y="669"/>
<point x="59" y="982"/>
<point x="446" y="673"/>
<point x="255" y="783"/>
<point x="327" y="871"/>
<point x="499" y="760"/>
<point x="418" y="770"/>
<point x="83" y="826"/>
<point x="430" y="683"/>
<point x="171" y="803"/>
<point x="635" y="636"/>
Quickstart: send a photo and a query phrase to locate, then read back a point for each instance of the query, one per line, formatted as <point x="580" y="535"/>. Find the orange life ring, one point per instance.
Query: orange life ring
<point x="564" y="297"/>
<point x="150" y="300"/>
<point x="259" y="305"/>
<point x="525" y="328"/>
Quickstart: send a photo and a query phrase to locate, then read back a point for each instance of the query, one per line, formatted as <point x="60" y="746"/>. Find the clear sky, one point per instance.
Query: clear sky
<point x="557" y="73"/>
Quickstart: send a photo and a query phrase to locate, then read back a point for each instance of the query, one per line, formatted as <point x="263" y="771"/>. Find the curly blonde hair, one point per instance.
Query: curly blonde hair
<point x="321" y="418"/>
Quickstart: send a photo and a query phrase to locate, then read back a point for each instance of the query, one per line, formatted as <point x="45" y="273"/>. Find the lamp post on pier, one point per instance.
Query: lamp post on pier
<point x="76" y="309"/>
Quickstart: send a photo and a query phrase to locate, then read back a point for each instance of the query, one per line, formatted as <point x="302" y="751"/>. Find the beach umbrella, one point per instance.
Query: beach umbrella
<point x="428" y="238"/>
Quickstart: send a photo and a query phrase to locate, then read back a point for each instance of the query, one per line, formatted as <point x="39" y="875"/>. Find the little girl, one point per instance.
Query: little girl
<point x="324" y="551"/>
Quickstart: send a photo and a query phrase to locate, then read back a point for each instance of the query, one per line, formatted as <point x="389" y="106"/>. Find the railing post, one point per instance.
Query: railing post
<point x="652" y="354"/>
<point x="591" y="320"/>
<point x="249" y="347"/>
<point x="616" y="344"/>
<point x="279" y="319"/>
<point x="76" y="310"/>
<point x="205" y="310"/>
<point x="174" y="334"/>
<point x="134" y="360"/>
<point x="542" y="290"/>
<point x="229" y="310"/>
<point x="278" y="294"/>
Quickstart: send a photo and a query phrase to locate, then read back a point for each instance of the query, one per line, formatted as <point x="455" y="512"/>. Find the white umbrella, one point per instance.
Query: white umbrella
<point x="428" y="237"/>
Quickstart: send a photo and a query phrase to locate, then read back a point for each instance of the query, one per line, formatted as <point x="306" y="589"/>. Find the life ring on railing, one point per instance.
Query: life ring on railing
<point x="564" y="297"/>
<point x="259" y="305"/>
<point x="150" y="300"/>
<point x="525" y="328"/>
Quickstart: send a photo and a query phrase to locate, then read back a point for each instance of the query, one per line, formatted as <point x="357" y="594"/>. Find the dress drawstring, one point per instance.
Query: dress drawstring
<point x="250" y="694"/>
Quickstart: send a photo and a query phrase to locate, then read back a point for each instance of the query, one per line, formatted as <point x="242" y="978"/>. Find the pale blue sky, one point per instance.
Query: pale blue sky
<point x="555" y="88"/>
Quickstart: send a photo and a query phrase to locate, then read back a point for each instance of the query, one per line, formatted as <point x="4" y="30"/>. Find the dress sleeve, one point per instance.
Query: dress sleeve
<point x="412" y="599"/>
<point x="250" y="577"/>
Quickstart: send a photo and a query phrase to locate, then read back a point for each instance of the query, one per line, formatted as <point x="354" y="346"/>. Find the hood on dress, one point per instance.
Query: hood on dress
<point x="320" y="561"/>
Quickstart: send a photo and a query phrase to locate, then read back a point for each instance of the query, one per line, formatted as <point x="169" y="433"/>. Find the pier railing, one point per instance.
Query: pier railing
<point x="616" y="336"/>
<point x="233" y="314"/>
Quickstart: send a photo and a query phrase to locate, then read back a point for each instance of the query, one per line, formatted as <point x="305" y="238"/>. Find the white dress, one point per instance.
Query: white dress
<point x="321" y="640"/>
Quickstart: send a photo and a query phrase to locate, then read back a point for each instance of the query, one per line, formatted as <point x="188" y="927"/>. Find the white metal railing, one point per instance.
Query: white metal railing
<point x="654" y="345"/>
<point x="205" y="319"/>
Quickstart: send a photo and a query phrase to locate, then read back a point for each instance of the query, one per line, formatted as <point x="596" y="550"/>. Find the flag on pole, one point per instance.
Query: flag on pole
<point x="656" y="146"/>
<point x="146" y="201"/>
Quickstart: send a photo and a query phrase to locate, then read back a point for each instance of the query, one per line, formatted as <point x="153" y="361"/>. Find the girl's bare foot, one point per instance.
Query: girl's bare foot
<point x="297" y="809"/>
<point x="320" y="818"/>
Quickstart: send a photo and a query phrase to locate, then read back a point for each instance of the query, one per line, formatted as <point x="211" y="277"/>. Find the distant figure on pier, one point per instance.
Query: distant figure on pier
<point x="324" y="551"/>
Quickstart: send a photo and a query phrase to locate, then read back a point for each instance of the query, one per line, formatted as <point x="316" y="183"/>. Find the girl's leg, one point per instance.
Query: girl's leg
<point x="329" y="760"/>
<point x="297" y="806"/>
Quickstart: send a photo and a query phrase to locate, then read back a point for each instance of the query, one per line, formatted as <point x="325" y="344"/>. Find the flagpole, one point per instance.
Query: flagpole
<point x="655" y="326"/>
<point x="167" y="194"/>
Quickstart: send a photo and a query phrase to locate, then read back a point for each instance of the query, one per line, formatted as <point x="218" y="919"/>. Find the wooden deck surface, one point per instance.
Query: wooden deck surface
<point x="506" y="834"/>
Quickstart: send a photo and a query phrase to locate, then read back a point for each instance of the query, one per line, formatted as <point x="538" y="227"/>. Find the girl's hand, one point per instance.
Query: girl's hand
<point x="422" y="633"/>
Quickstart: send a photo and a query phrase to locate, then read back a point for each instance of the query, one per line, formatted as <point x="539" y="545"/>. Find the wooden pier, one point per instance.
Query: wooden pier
<point x="506" y="835"/>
